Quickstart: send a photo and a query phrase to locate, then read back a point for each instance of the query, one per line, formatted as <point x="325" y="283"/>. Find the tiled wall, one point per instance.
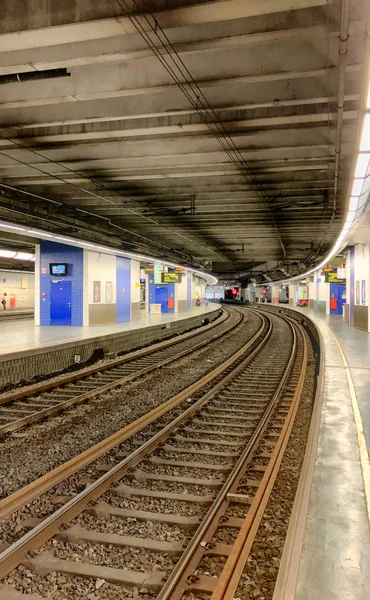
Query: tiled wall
<point x="123" y="295"/>
<point x="51" y="252"/>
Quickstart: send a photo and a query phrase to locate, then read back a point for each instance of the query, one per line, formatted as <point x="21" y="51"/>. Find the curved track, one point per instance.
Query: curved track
<point x="199" y="475"/>
<point x="25" y="407"/>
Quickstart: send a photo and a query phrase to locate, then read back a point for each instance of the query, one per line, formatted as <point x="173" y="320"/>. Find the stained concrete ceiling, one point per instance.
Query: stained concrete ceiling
<point x="207" y="132"/>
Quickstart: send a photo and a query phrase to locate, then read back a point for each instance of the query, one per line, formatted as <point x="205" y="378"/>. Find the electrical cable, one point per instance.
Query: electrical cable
<point x="226" y="142"/>
<point x="161" y="247"/>
<point x="94" y="194"/>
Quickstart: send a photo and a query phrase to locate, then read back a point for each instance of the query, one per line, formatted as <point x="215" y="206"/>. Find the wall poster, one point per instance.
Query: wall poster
<point x="357" y="292"/>
<point x="363" y="292"/>
<point x="109" y="291"/>
<point x="96" y="291"/>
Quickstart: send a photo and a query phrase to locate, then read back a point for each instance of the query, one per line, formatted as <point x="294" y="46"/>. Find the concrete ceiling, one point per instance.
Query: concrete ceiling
<point x="218" y="150"/>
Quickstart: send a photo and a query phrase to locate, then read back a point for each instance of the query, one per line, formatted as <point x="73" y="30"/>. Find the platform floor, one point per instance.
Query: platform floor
<point x="16" y="313"/>
<point x="24" y="335"/>
<point x="335" y="561"/>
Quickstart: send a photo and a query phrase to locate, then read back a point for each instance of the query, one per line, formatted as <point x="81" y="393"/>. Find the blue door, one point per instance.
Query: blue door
<point x="337" y="291"/>
<point x="161" y="297"/>
<point x="60" y="303"/>
<point x="341" y="299"/>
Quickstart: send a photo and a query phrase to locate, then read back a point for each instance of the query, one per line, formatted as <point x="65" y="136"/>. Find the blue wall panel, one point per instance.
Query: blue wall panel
<point x="123" y="289"/>
<point x="189" y="286"/>
<point x="52" y="252"/>
<point x="351" y="286"/>
<point x="155" y="293"/>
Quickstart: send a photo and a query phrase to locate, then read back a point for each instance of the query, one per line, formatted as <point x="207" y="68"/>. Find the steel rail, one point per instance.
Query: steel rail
<point x="64" y="405"/>
<point x="41" y="485"/>
<point x="49" y="385"/>
<point x="235" y="564"/>
<point x="16" y="553"/>
<point x="175" y="586"/>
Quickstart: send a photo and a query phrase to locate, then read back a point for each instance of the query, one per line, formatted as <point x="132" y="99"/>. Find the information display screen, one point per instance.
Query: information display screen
<point x="58" y="269"/>
<point x="171" y="277"/>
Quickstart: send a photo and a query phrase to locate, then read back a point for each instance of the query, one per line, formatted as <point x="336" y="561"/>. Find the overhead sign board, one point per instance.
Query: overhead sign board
<point x="158" y="271"/>
<point x="171" y="277"/>
<point x="333" y="278"/>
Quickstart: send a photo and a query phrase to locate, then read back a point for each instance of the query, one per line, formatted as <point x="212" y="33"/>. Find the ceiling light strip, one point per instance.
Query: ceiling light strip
<point x="211" y="279"/>
<point x="360" y="196"/>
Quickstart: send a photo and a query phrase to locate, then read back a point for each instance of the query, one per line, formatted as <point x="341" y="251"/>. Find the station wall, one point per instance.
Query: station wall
<point x="198" y="290"/>
<point x="135" y="290"/>
<point x="181" y="299"/>
<point x="100" y="288"/>
<point x="322" y="295"/>
<point x="214" y="292"/>
<point x="358" y="281"/>
<point x="20" y="286"/>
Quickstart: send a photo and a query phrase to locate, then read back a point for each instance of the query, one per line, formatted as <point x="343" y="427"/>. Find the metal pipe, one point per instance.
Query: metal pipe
<point x="342" y="58"/>
<point x="33" y="76"/>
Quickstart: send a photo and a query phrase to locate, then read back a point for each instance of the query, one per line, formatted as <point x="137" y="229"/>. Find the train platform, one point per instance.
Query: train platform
<point x="27" y="350"/>
<point x="335" y="557"/>
<point x="16" y="314"/>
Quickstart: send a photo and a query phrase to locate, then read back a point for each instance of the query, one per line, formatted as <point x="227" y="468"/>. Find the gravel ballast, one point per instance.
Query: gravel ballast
<point x="30" y="454"/>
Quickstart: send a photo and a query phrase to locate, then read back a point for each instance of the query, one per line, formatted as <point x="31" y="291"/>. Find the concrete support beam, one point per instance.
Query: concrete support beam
<point x="31" y="26"/>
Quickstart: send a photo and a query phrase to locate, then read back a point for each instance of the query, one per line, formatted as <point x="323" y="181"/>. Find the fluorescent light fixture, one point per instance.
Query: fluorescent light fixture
<point x="350" y="216"/>
<point x="357" y="187"/>
<point x="24" y="256"/>
<point x="365" y="137"/>
<point x="211" y="279"/>
<point x="353" y="203"/>
<point x="64" y="239"/>
<point x="12" y="227"/>
<point x="16" y="255"/>
<point x="362" y="164"/>
<point x="40" y="233"/>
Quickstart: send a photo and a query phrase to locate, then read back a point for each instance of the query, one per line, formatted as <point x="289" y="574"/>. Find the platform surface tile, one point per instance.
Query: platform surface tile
<point x="24" y="335"/>
<point x="335" y="561"/>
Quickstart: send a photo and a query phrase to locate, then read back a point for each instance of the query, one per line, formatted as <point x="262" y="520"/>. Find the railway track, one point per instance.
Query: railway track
<point x="24" y="407"/>
<point x="176" y="516"/>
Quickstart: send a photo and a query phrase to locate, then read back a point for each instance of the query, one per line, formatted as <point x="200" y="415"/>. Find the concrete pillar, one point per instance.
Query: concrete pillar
<point x="181" y="302"/>
<point x="135" y="290"/>
<point x="274" y="294"/>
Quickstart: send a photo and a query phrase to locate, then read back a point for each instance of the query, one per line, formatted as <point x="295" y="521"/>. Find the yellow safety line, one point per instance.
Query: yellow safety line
<point x="361" y="440"/>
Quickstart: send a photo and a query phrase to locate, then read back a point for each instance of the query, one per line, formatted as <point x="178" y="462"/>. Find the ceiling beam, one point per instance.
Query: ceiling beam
<point x="22" y="37"/>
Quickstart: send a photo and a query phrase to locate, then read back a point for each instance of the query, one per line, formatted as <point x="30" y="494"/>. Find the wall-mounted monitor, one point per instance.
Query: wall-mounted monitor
<point x="58" y="269"/>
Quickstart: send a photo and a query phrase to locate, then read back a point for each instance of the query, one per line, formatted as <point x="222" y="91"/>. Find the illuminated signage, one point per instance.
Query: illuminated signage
<point x="171" y="277"/>
<point x="333" y="278"/>
<point x="158" y="270"/>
